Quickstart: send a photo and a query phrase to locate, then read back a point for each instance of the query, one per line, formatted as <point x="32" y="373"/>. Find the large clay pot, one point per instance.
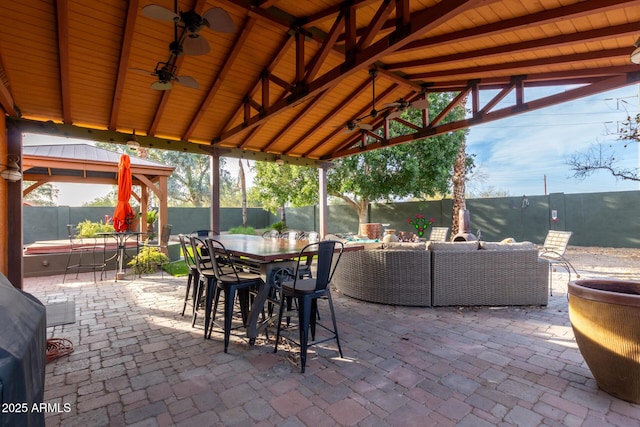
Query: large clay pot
<point x="605" y="316"/>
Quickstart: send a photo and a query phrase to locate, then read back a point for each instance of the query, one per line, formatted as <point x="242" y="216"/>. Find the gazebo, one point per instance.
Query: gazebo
<point x="87" y="164"/>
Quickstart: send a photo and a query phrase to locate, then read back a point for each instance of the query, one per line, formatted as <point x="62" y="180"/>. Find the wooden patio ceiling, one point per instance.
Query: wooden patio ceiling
<point x="294" y="73"/>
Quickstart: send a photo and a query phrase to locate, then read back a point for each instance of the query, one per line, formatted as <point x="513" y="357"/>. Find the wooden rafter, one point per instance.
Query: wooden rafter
<point x="420" y="23"/>
<point x="434" y="130"/>
<point x="298" y="117"/>
<point x="376" y="24"/>
<point x="228" y="63"/>
<point x="521" y="47"/>
<point x="123" y="64"/>
<point x="62" y="16"/>
<point x="515" y="65"/>
<point x="548" y="16"/>
<point x="325" y="49"/>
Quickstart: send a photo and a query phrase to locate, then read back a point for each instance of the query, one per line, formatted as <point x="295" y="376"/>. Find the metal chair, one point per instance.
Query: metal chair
<point x="306" y="292"/>
<point x="271" y="234"/>
<point x="439" y="234"/>
<point x="231" y="281"/>
<point x="83" y="247"/>
<point x="553" y="249"/>
<point x="194" y="276"/>
<point x="291" y="235"/>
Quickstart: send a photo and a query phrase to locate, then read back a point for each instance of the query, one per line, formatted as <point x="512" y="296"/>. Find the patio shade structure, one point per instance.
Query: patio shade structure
<point x="123" y="213"/>
<point x="292" y="76"/>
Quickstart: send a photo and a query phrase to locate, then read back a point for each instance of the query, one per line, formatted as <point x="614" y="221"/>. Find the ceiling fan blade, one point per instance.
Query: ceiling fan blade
<point x="392" y="104"/>
<point x="187" y="81"/>
<point x="365" y="126"/>
<point x="394" y="114"/>
<point x="158" y="12"/>
<point x="161" y="85"/>
<point x="420" y="104"/>
<point x="219" y="20"/>
<point x="195" y="45"/>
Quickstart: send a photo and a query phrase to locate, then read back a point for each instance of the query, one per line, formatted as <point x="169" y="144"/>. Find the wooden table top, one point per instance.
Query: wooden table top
<point x="266" y="250"/>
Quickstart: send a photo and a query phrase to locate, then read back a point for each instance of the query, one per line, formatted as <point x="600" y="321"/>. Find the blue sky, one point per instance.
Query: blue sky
<point x="512" y="155"/>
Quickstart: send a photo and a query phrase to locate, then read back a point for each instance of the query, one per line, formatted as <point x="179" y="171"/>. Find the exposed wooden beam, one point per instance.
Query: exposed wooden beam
<point x="376" y="24"/>
<point x="123" y="64"/>
<point x="238" y="44"/>
<point x="525" y="64"/>
<point x="601" y="86"/>
<point x="325" y="49"/>
<point x="296" y="119"/>
<point x="526" y="46"/>
<point x="62" y="19"/>
<point x="575" y="10"/>
<point x="420" y="23"/>
<point x="7" y="102"/>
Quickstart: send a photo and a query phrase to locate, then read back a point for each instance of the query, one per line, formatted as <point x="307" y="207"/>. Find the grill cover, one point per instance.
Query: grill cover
<point x="23" y="348"/>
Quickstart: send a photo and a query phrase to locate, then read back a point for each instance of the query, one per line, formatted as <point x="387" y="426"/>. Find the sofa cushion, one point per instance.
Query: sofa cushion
<point x="406" y="246"/>
<point x="453" y="246"/>
<point x="506" y="246"/>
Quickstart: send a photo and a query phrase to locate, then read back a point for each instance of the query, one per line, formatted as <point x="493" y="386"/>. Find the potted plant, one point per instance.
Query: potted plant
<point x="605" y="315"/>
<point x="152" y="217"/>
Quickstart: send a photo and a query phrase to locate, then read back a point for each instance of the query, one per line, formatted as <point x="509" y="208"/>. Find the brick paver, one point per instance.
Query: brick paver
<point x="138" y="362"/>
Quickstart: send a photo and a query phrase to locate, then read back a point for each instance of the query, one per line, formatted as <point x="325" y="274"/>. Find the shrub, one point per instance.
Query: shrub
<point x="89" y="228"/>
<point x="280" y="226"/>
<point x="242" y="230"/>
<point x="147" y="260"/>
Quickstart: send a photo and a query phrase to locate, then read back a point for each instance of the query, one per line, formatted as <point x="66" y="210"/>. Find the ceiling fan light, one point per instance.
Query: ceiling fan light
<point x="12" y="172"/>
<point x="132" y="142"/>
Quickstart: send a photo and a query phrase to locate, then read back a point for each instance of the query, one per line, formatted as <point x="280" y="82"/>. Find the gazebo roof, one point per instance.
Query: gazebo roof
<point x="81" y="162"/>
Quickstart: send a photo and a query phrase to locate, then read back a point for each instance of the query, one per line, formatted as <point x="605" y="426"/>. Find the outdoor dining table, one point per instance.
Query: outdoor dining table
<point x="121" y="238"/>
<point x="268" y="255"/>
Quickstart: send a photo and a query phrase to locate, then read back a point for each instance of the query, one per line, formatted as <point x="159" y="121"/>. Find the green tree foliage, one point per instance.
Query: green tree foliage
<point x="189" y="184"/>
<point x="419" y="169"/>
<point x="44" y="195"/>
<point x="275" y="187"/>
<point x="110" y="199"/>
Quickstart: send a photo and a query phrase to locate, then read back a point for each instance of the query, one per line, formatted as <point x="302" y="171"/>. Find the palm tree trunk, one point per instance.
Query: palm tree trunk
<point x="459" y="178"/>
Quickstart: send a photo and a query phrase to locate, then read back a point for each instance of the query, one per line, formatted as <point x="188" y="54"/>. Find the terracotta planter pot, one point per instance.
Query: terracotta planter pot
<point x="370" y="229"/>
<point x="605" y="316"/>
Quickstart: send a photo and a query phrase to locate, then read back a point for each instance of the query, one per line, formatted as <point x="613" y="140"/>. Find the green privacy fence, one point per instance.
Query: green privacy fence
<point x="596" y="219"/>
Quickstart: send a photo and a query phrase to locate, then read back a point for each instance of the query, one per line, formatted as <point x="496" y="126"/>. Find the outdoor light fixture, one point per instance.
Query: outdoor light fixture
<point x="12" y="172"/>
<point x="133" y="141"/>
<point x="635" y="55"/>
<point x="279" y="161"/>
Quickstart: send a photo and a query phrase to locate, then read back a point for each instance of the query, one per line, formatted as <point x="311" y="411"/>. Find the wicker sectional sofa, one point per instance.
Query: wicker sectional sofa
<point x="446" y="274"/>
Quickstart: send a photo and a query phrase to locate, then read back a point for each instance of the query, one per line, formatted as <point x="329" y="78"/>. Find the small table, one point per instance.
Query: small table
<point x="121" y="238"/>
<point x="268" y="255"/>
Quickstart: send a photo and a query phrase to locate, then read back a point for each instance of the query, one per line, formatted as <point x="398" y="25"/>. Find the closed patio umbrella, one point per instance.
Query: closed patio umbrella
<point x="123" y="214"/>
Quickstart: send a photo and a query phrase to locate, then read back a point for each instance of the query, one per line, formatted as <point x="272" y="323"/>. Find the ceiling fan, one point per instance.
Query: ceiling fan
<point x="166" y="74"/>
<point x="190" y="42"/>
<point x="354" y="124"/>
<point x="401" y="104"/>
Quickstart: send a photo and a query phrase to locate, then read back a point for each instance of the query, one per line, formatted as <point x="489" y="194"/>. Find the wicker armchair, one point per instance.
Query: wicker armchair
<point x="489" y="277"/>
<point x="397" y="277"/>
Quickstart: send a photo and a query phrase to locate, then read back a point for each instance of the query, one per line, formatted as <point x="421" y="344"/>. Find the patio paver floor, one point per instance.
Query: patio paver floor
<point x="138" y="362"/>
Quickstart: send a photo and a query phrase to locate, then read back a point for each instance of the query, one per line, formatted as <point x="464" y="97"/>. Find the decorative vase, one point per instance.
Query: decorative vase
<point x="605" y="315"/>
<point x="370" y="229"/>
<point x="390" y="236"/>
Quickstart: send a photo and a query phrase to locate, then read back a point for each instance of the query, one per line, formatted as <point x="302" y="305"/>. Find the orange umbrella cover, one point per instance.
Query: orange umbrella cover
<point x="123" y="214"/>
